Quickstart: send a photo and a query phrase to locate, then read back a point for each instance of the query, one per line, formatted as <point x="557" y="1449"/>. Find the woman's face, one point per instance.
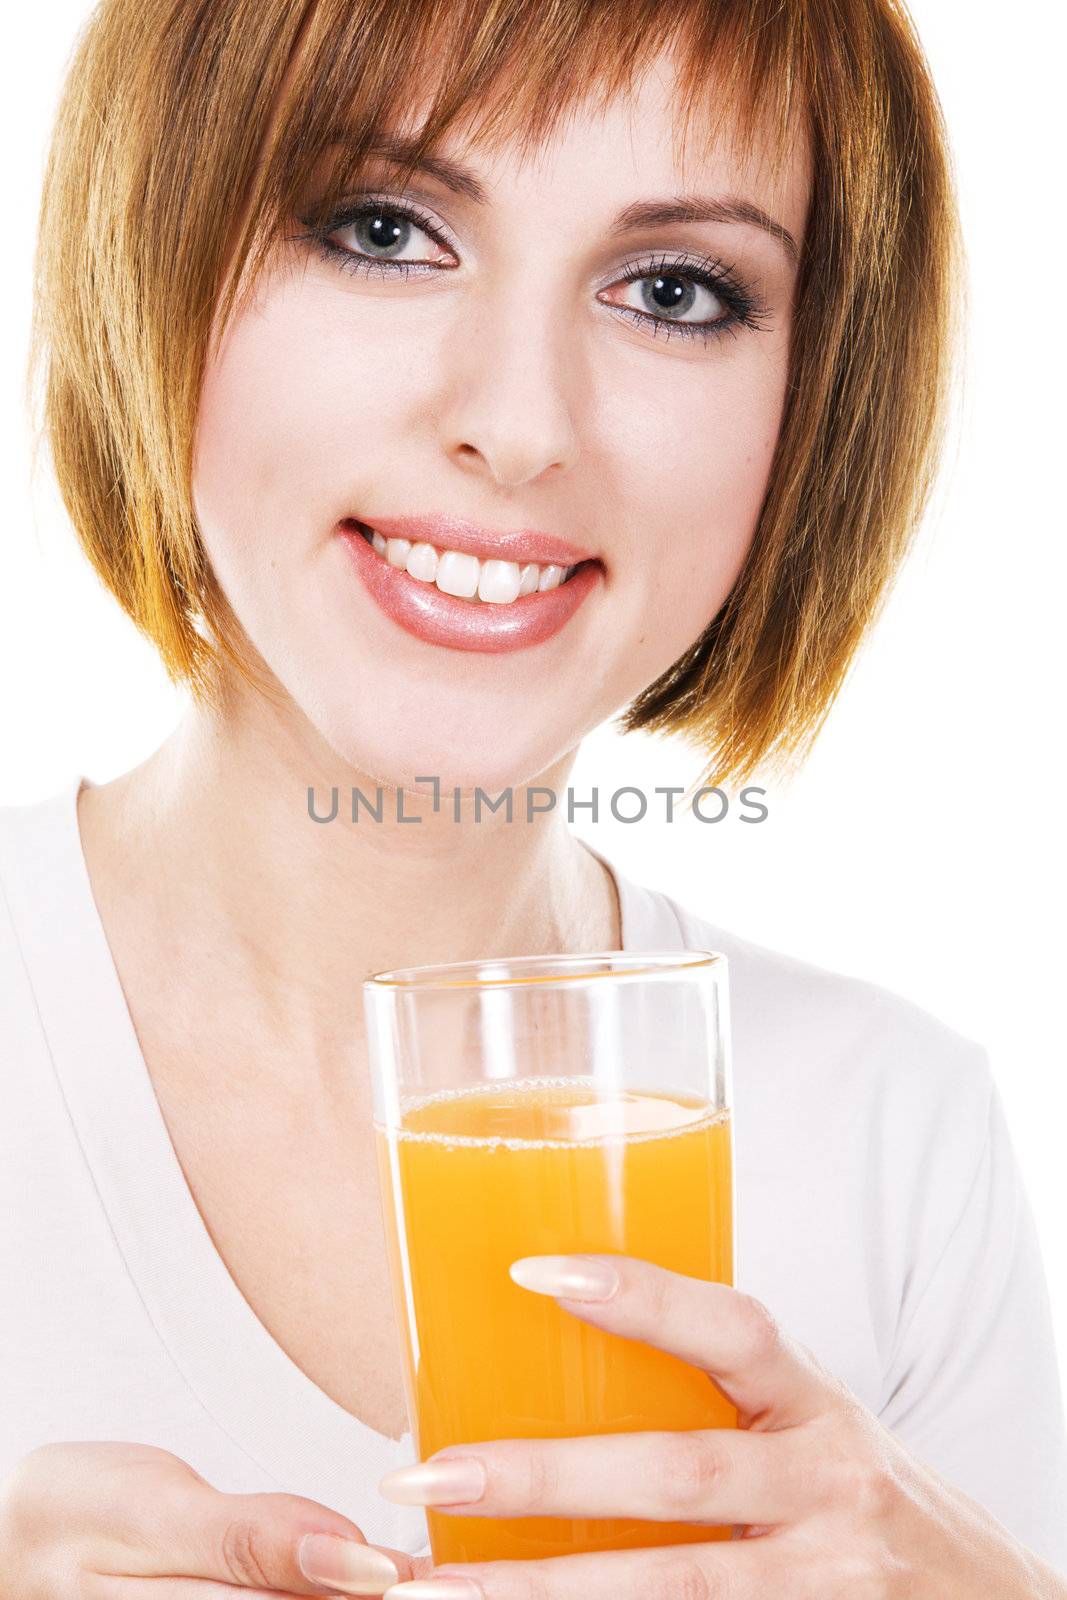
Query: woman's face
<point x="541" y="361"/>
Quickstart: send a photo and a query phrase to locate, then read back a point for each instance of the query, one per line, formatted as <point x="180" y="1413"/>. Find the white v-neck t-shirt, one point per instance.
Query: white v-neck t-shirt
<point x="881" y="1217"/>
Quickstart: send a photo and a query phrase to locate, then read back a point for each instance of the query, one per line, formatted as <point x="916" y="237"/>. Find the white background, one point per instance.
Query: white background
<point x="920" y="847"/>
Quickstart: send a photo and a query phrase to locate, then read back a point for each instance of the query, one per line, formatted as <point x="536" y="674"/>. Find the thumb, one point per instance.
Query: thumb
<point x="284" y="1542"/>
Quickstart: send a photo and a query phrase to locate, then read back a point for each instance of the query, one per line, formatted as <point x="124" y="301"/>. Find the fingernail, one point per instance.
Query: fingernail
<point x="570" y="1277"/>
<point x="436" y="1589"/>
<point x="345" y="1564"/>
<point x="453" y="1481"/>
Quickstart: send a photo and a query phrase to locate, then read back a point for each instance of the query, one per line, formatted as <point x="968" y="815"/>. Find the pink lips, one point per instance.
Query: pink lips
<point x="443" y="619"/>
<point x="453" y="533"/>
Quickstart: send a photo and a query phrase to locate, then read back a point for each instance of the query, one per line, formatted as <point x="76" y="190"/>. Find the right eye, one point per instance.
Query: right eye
<point x="380" y="237"/>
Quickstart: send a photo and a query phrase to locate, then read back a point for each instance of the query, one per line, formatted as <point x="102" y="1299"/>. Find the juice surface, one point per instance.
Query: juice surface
<point x="474" y="1179"/>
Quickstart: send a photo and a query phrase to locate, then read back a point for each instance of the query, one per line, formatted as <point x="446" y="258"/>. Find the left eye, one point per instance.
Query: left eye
<point x="671" y="296"/>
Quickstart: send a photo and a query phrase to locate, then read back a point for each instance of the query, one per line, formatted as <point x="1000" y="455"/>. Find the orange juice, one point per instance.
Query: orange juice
<point x="475" y="1178"/>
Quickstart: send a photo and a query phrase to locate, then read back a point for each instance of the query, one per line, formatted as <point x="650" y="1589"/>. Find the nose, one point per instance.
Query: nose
<point x="507" y="409"/>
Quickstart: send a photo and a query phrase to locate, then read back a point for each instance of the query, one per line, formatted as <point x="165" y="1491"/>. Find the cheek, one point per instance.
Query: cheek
<point x="282" y="434"/>
<point x="693" y="461"/>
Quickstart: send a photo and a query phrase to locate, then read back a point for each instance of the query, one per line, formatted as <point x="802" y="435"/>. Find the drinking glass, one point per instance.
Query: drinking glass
<point x="544" y="1105"/>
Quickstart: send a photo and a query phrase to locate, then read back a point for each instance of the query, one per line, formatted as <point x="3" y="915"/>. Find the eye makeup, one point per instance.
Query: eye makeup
<point x="739" y="305"/>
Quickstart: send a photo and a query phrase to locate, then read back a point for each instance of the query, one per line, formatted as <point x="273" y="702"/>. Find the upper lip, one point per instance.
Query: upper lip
<point x="488" y="544"/>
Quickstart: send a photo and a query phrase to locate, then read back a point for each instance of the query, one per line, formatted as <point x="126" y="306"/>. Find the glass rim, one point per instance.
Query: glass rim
<point x="465" y="974"/>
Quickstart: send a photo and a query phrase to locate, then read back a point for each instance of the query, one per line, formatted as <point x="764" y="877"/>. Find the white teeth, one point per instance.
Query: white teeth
<point x="499" y="581"/>
<point x="422" y="562"/>
<point x="396" y="552"/>
<point x="456" y="573"/>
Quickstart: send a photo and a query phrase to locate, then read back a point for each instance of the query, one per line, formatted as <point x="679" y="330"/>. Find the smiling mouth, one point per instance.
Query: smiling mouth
<point x="467" y="577"/>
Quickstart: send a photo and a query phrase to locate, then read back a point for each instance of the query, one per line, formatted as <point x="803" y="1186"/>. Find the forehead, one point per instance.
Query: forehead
<point x="521" y="68"/>
<point x="634" y="141"/>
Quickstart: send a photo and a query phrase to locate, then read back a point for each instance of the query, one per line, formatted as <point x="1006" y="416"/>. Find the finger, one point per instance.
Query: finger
<point x="773" y="1380"/>
<point x="706" y="1475"/>
<point x="279" y="1542"/>
<point x="109" y="1586"/>
<point x="744" y="1571"/>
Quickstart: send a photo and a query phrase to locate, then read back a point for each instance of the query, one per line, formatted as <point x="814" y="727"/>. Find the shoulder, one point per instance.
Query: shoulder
<point x="852" y="1101"/>
<point x="35" y="824"/>
<point x="833" y="1035"/>
<point x="39" y="862"/>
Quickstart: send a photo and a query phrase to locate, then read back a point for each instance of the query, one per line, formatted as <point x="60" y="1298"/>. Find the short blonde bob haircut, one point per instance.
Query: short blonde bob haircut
<point x="188" y="129"/>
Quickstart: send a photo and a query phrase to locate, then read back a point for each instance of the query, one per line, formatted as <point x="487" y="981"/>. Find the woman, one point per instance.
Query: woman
<point x="401" y="401"/>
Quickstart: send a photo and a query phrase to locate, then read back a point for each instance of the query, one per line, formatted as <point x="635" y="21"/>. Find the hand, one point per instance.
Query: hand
<point x="834" y="1505"/>
<point x="130" y="1522"/>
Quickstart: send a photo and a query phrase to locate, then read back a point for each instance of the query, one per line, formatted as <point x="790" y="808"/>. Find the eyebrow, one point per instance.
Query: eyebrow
<point x="697" y="208"/>
<point x="640" y="214"/>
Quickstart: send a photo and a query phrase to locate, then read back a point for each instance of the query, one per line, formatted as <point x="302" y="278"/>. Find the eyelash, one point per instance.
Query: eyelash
<point x="742" y="307"/>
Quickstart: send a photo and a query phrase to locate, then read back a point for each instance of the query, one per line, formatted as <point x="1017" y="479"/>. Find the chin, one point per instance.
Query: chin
<point x="394" y="753"/>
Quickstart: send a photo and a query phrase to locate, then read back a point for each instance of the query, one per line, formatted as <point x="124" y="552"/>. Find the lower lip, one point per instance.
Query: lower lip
<point x="444" y="619"/>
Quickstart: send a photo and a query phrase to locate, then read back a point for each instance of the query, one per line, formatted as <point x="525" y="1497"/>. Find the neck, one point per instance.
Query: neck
<point x="207" y="851"/>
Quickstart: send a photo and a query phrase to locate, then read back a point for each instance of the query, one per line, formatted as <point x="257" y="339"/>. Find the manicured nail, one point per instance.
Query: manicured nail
<point x="569" y="1277"/>
<point x="451" y="1482"/>
<point x="436" y="1589"/>
<point x="345" y="1564"/>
